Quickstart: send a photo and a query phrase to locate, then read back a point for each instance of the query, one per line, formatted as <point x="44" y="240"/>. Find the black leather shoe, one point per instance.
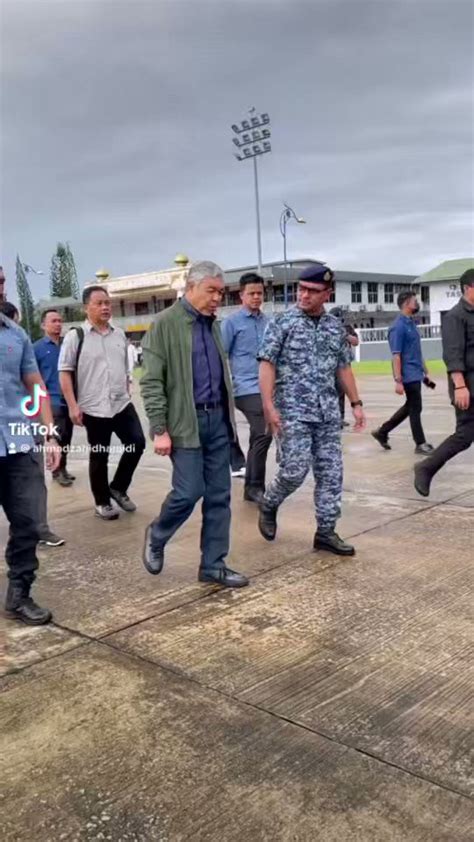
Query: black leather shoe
<point x="422" y="480"/>
<point x="267" y="521"/>
<point x="152" y="558"/>
<point x="20" y="606"/>
<point x="68" y="475"/>
<point x="253" y="495"/>
<point x="424" y="448"/>
<point x="382" y="440"/>
<point x="223" y="576"/>
<point x="331" y="542"/>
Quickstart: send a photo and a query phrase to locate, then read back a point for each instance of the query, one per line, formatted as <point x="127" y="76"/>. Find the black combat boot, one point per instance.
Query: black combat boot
<point x="267" y="521"/>
<point x="20" y="606"/>
<point x="329" y="540"/>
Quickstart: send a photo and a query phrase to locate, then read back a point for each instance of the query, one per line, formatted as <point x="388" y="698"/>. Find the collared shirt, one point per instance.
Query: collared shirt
<point x="306" y="353"/>
<point x="404" y="339"/>
<point x="102" y="374"/>
<point x="47" y="357"/>
<point x="242" y="334"/>
<point x="16" y="359"/>
<point x="208" y="376"/>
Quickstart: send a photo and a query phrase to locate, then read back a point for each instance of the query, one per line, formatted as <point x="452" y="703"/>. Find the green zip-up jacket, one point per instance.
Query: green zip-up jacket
<point x="167" y="382"/>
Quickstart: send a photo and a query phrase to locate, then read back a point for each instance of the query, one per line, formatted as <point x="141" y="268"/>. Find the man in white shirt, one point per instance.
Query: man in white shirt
<point x="94" y="377"/>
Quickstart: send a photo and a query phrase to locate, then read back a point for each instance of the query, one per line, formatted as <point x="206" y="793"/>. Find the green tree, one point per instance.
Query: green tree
<point x="63" y="274"/>
<point x="29" y="319"/>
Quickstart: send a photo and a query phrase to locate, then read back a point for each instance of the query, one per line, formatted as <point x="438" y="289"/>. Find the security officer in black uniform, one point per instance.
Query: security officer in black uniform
<point x="458" y="354"/>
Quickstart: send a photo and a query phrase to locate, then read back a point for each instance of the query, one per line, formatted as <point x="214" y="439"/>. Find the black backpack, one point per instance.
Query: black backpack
<point x="80" y="336"/>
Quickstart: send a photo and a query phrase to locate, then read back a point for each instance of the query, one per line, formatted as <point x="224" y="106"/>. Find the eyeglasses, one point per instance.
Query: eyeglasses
<point x="315" y="291"/>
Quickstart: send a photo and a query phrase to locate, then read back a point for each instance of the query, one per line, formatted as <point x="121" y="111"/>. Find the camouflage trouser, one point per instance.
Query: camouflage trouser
<point x="303" y="445"/>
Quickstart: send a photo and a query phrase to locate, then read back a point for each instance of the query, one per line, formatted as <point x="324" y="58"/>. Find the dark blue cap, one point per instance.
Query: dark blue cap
<point x="317" y="275"/>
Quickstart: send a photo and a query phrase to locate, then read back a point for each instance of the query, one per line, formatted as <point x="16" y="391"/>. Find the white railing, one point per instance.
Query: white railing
<point x="380" y="334"/>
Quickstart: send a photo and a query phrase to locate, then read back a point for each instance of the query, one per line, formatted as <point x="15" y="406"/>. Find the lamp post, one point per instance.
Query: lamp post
<point x="287" y="214"/>
<point x="252" y="139"/>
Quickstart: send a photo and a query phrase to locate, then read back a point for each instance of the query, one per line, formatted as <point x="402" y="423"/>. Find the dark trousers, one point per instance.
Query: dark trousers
<point x="237" y="456"/>
<point x="65" y="428"/>
<point x="201" y="473"/>
<point x="42" y="496"/>
<point x="126" y="425"/>
<point x="410" y="409"/>
<point x="260" y="441"/>
<point x="21" y="483"/>
<point x="461" y="439"/>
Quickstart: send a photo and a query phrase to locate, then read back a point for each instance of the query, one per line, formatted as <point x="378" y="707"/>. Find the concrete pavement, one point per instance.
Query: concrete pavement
<point x="328" y="701"/>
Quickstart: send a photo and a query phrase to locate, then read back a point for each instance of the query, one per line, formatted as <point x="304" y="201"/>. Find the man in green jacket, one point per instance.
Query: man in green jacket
<point x="187" y="393"/>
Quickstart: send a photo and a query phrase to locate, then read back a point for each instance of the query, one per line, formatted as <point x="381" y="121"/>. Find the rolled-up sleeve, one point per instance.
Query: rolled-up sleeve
<point x="345" y="353"/>
<point x="272" y="342"/>
<point x="453" y="331"/>
<point x="68" y="353"/>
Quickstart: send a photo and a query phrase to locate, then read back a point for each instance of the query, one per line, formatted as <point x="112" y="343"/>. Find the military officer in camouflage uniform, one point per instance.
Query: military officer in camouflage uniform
<point x="302" y="350"/>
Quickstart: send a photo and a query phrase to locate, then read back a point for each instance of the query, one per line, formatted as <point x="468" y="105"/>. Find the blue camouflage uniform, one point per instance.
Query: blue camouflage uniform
<point x="306" y="352"/>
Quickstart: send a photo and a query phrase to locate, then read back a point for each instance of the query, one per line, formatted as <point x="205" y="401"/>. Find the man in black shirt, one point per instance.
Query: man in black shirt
<point x="458" y="354"/>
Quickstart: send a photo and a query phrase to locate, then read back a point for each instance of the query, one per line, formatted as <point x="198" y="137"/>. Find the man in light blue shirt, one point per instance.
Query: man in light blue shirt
<point x="242" y="334"/>
<point x="22" y="400"/>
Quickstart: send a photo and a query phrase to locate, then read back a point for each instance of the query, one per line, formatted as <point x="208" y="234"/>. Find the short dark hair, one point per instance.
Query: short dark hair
<point x="89" y="290"/>
<point x="467" y="279"/>
<point x="9" y="310"/>
<point x="250" y="278"/>
<point x="405" y="296"/>
<point x="49" y="310"/>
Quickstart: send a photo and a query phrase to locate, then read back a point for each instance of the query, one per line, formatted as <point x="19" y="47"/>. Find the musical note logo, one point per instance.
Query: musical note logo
<point x="31" y="404"/>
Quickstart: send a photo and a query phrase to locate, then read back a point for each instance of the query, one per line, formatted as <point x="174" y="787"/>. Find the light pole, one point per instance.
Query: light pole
<point x="286" y="214"/>
<point x="252" y="140"/>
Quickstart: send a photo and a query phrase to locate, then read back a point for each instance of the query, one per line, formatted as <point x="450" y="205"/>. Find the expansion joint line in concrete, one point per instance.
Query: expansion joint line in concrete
<point x="236" y="700"/>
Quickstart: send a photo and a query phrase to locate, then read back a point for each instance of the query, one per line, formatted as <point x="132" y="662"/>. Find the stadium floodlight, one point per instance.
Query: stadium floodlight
<point x="287" y="214"/>
<point x="249" y="141"/>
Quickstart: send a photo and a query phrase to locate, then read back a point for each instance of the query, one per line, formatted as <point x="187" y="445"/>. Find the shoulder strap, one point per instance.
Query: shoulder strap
<point x="80" y="337"/>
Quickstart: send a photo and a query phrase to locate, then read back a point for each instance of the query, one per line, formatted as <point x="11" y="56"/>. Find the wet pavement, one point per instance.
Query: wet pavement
<point x="330" y="700"/>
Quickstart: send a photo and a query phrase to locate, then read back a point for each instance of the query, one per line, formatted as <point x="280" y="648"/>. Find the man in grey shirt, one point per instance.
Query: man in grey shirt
<point x="93" y="373"/>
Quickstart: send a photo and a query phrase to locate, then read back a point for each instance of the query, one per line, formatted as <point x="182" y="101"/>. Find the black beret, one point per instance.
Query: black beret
<point x="317" y="275"/>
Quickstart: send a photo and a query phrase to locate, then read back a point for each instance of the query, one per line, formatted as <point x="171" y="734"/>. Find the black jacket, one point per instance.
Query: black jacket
<point x="458" y="343"/>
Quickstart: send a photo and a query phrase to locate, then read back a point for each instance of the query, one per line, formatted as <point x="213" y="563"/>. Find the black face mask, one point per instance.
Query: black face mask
<point x="415" y="309"/>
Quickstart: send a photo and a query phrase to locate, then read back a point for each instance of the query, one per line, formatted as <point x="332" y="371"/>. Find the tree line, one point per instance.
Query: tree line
<point x="63" y="283"/>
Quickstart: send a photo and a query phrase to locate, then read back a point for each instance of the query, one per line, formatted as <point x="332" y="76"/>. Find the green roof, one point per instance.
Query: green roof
<point x="449" y="270"/>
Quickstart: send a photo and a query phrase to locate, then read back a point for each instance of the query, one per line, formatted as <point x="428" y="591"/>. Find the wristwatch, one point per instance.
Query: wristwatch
<point x="356" y="403"/>
<point x="52" y="438"/>
<point x="398" y="380"/>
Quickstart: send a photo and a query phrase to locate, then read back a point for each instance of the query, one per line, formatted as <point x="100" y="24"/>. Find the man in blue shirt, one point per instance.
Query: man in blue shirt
<point x="242" y="334"/>
<point x="21" y="391"/>
<point x="47" y="355"/>
<point x="409" y="371"/>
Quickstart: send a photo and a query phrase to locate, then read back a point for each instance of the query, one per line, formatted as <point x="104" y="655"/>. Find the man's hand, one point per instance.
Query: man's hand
<point x="75" y="415"/>
<point x="399" y="388"/>
<point x="462" y="398"/>
<point x="53" y="454"/>
<point x="359" y="416"/>
<point x="162" y="445"/>
<point x="272" y="417"/>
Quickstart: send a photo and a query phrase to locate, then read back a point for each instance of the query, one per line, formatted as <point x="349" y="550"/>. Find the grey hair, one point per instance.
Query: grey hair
<point x="202" y="269"/>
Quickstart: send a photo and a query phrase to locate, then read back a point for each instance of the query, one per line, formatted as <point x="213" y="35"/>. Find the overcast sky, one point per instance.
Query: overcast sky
<point x="116" y="120"/>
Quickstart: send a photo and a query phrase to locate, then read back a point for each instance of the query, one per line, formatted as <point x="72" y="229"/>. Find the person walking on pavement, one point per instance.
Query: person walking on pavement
<point x="21" y="478"/>
<point x="302" y="351"/>
<point x="457" y="330"/>
<point x="353" y="341"/>
<point x="187" y="393"/>
<point x="47" y="356"/>
<point x="93" y="366"/>
<point x="47" y="538"/>
<point x="242" y="334"/>
<point x="409" y="371"/>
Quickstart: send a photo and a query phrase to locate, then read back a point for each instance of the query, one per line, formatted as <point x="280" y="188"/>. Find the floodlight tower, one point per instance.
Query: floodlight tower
<point x="252" y="139"/>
